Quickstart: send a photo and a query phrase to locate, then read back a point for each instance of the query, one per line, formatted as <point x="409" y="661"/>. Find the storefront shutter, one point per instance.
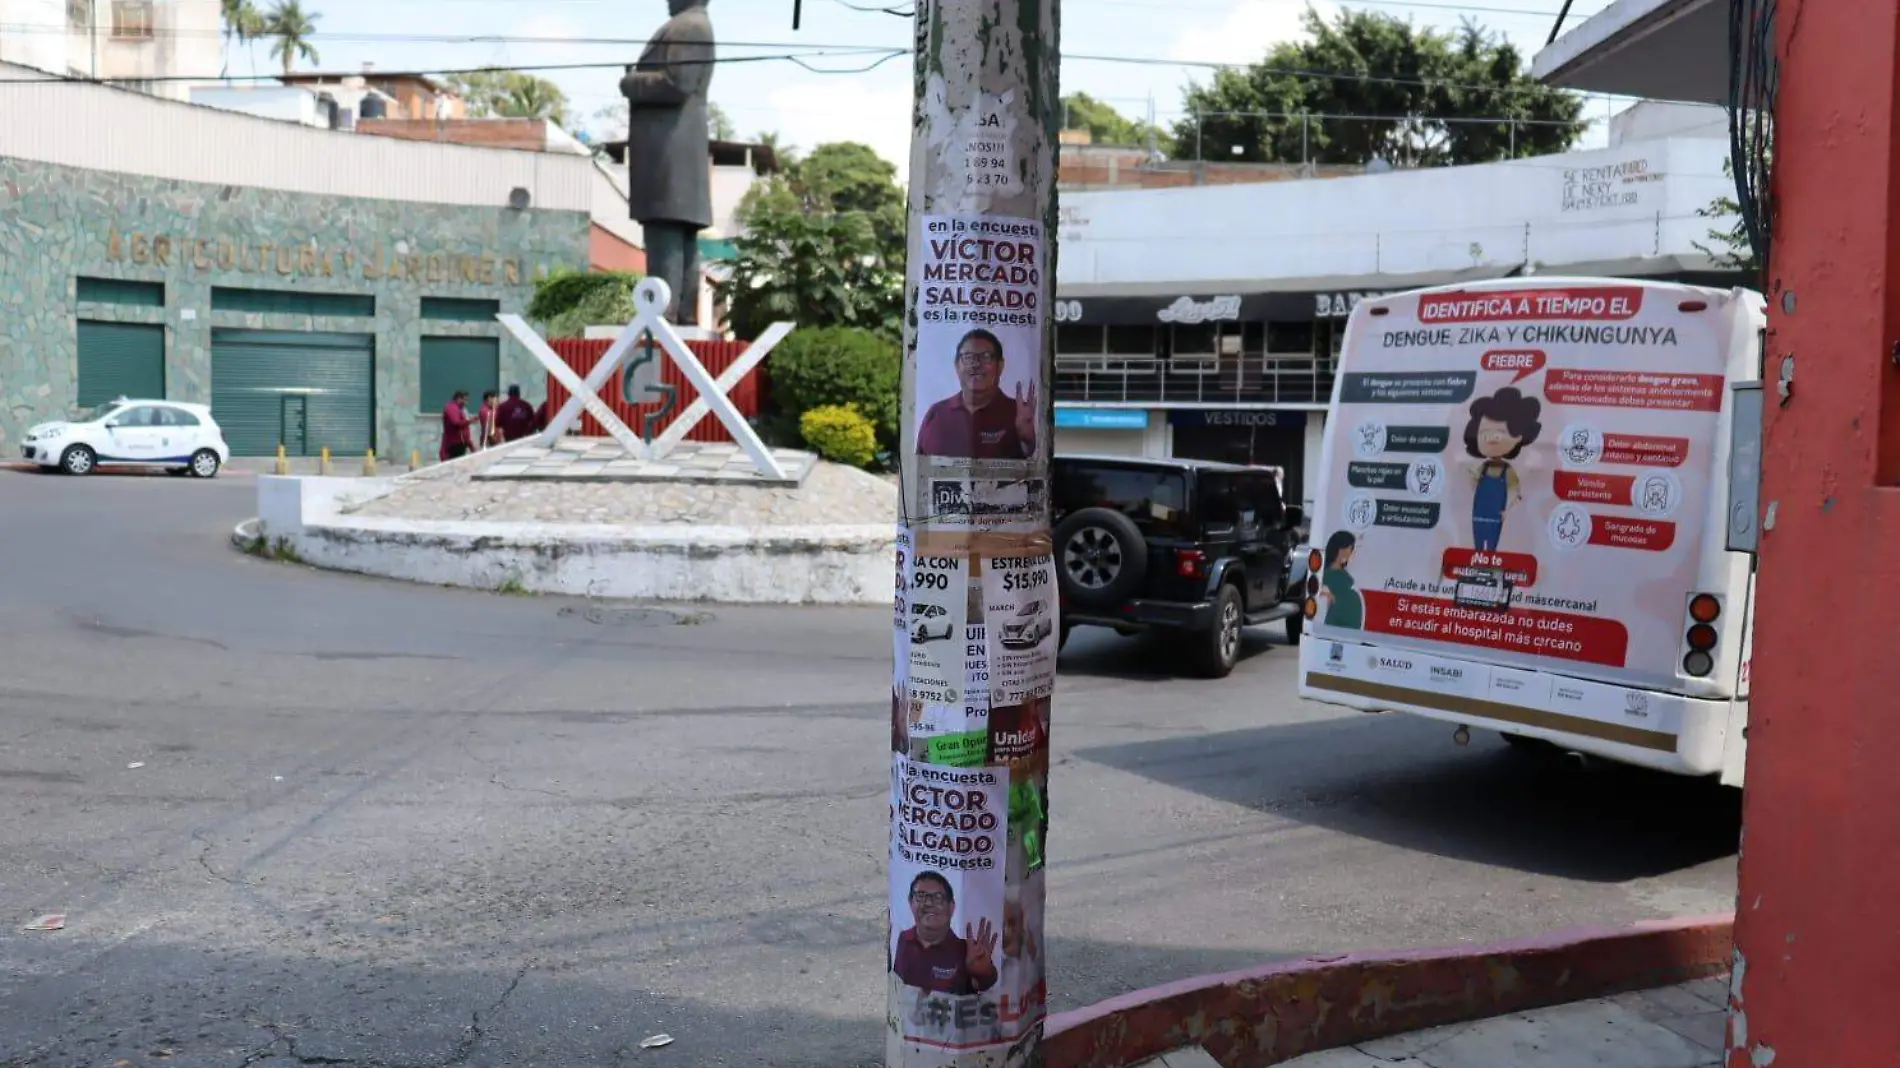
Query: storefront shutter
<point x="120" y="360"/>
<point x="306" y="390"/>
<point x="452" y="363"/>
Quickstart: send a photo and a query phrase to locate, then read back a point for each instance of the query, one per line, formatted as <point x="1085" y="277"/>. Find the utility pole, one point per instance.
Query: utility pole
<point x="976" y="627"/>
<point x="1817" y="949"/>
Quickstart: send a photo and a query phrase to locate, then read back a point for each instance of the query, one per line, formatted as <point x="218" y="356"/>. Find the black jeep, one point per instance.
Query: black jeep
<point x="1192" y="546"/>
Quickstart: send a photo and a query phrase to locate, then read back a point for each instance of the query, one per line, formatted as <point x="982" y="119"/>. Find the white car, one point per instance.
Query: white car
<point x="932" y="623"/>
<point x="180" y="437"/>
<point x="1029" y="627"/>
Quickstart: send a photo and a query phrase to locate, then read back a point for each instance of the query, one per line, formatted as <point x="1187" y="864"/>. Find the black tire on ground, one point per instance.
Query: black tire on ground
<point x="204" y="464"/>
<point x="1295" y="627"/>
<point x="1216" y="651"/>
<point x="78" y="460"/>
<point x="1101" y="558"/>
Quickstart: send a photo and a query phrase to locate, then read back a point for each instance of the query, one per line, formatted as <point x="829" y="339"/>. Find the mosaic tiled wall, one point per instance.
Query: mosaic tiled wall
<point x="58" y="223"/>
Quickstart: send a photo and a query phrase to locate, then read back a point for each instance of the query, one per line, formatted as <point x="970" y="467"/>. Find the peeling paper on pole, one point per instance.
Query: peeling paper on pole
<point x="966" y="974"/>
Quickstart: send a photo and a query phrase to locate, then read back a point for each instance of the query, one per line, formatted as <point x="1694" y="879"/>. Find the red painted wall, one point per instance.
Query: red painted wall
<point x="1818" y="916"/>
<point x="606" y="252"/>
<point x="716" y="355"/>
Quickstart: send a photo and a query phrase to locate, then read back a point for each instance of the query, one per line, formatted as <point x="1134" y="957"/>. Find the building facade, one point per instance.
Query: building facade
<point x="317" y="289"/>
<point x="1206" y="322"/>
<point x="153" y="46"/>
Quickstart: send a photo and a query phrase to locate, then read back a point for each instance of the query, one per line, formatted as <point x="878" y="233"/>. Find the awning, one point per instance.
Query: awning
<point x="1250" y="301"/>
<point x="1661" y="49"/>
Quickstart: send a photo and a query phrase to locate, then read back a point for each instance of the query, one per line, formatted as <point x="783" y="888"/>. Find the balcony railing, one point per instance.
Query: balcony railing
<point x="1242" y="378"/>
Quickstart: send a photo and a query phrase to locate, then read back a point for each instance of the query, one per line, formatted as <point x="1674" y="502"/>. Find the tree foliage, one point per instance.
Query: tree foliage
<point x="511" y="95"/>
<point x="613" y="122"/>
<point x="1106" y="126"/>
<point x="243" y="22"/>
<point x="823" y="245"/>
<point x="839" y="434"/>
<point x="292" y="26"/>
<point x="1401" y="90"/>
<point x="1729" y="247"/>
<point x="567" y="302"/>
<point x="840" y="367"/>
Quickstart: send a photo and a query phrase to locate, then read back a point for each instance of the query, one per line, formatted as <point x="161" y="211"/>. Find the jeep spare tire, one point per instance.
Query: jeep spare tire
<point x="1101" y="558"/>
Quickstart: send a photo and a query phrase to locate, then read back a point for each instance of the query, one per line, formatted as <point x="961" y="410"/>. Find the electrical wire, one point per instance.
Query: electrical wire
<point x="1754" y="79"/>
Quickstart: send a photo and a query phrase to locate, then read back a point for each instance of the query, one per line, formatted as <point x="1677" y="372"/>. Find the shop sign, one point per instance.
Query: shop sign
<point x="1613" y="185"/>
<point x="1102" y="418"/>
<point x="1189" y="310"/>
<point x="307" y="259"/>
<point x="1244" y="417"/>
<point x="1338" y="305"/>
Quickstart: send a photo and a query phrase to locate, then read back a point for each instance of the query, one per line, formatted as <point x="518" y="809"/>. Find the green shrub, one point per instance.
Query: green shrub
<point x="838" y="366"/>
<point x="840" y="434"/>
<point x="567" y="302"/>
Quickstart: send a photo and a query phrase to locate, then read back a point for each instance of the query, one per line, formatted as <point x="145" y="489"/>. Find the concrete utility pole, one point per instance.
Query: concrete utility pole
<point x="1817" y="943"/>
<point x="976" y="631"/>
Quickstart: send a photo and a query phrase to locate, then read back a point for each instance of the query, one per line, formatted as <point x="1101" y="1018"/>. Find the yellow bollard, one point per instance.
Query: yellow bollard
<point x="283" y="461"/>
<point x="415" y="459"/>
<point x="323" y="462"/>
<point x="369" y="464"/>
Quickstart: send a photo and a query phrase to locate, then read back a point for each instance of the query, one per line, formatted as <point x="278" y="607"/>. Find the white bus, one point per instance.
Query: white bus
<point x="1521" y="513"/>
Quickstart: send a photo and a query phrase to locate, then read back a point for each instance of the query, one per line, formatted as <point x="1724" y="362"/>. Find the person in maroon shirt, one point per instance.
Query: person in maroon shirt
<point x="931" y="956"/>
<point x="980" y="422"/>
<point x="515" y="417"/>
<point x="455" y="439"/>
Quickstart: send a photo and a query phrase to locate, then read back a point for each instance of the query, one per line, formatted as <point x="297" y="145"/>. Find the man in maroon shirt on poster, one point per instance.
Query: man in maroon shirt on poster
<point x="980" y="422"/>
<point x="931" y="956"/>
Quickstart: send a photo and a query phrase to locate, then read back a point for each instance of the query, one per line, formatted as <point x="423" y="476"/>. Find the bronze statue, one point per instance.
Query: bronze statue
<point x="669" y="175"/>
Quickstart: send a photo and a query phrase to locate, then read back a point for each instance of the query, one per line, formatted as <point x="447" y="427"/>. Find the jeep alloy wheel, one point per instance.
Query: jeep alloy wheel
<point x="1092" y="557"/>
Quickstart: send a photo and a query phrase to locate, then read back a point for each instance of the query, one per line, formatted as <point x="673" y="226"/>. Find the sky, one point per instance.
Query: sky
<point x="808" y="108"/>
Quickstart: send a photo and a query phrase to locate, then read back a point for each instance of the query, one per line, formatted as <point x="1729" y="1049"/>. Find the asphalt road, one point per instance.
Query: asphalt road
<point x="382" y="824"/>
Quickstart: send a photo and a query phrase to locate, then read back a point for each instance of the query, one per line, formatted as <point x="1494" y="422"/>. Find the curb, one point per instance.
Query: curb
<point x="1262" y="1016"/>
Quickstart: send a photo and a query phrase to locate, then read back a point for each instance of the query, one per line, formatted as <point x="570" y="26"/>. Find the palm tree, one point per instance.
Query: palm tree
<point x="292" y="26"/>
<point x="534" y="98"/>
<point x="243" y="22"/>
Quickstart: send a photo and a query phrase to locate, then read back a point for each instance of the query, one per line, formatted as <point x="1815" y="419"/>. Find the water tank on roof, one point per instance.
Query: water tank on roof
<point x="374" y="107"/>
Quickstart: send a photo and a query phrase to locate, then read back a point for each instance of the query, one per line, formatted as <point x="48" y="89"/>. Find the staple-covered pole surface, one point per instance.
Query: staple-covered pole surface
<point x="975" y="631"/>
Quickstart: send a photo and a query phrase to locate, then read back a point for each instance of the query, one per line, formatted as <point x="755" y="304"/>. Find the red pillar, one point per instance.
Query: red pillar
<point x="1818" y="914"/>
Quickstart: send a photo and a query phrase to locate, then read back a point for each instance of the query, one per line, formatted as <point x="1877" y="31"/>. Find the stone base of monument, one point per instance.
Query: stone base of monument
<point x="575" y="459"/>
<point x="826" y="537"/>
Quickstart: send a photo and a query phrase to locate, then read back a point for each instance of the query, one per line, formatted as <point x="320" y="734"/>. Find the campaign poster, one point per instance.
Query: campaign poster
<point x="977" y="362"/>
<point x="1527" y="471"/>
<point x="949" y="848"/>
<point x="1019" y="609"/>
<point x="938" y="596"/>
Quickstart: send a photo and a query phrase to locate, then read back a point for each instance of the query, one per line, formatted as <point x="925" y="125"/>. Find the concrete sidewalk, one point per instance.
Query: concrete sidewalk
<point x="1680" y="1026"/>
<point x="1669" y="1027"/>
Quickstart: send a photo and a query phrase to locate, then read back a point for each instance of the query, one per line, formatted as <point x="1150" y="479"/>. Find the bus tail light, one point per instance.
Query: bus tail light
<point x="1700" y="636"/>
<point x="1312" y="607"/>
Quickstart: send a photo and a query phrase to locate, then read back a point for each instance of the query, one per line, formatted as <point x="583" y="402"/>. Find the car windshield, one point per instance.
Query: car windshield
<point x="93" y="415"/>
<point x="1030" y="609"/>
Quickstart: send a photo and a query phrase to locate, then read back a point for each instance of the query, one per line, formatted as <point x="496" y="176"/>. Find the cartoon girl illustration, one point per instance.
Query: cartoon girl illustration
<point x="1344" y="606"/>
<point x="1501" y="425"/>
